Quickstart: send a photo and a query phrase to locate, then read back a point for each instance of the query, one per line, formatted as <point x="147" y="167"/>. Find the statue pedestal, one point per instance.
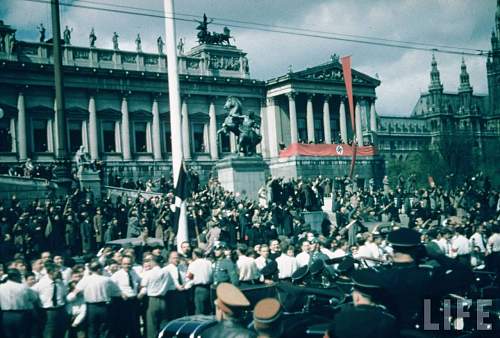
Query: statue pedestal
<point x="243" y="175"/>
<point x="91" y="181"/>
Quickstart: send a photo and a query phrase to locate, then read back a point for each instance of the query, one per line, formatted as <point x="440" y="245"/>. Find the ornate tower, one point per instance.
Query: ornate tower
<point x="465" y="91"/>
<point x="493" y="67"/>
<point x="435" y="88"/>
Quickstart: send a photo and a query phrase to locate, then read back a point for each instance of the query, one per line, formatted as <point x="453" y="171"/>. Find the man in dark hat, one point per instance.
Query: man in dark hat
<point x="229" y="307"/>
<point x="267" y="318"/>
<point x="364" y="317"/>
<point x="408" y="284"/>
<point x="224" y="269"/>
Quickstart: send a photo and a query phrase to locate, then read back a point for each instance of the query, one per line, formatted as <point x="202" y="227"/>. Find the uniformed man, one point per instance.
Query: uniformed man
<point x="365" y="317"/>
<point x="229" y="307"/>
<point x="223" y="268"/>
<point x="52" y="293"/>
<point x="200" y="274"/>
<point x="97" y="293"/>
<point x="17" y="302"/>
<point x="407" y="283"/>
<point x="128" y="281"/>
<point x="267" y="318"/>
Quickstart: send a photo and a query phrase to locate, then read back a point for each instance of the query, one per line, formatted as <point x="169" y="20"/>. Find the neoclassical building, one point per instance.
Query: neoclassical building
<point x="116" y="105"/>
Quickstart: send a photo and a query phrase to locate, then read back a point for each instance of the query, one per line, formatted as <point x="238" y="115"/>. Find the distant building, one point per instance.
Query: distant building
<point x="438" y="114"/>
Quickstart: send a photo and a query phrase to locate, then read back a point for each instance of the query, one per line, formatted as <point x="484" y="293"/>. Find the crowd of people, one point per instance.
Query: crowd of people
<point x="60" y="277"/>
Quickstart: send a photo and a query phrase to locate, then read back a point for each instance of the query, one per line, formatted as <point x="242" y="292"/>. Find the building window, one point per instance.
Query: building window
<point x="5" y="138"/>
<point x="140" y="137"/>
<point x="198" y="130"/>
<point x="75" y="135"/>
<point x="108" y="137"/>
<point x="40" y="144"/>
<point x="168" y="137"/>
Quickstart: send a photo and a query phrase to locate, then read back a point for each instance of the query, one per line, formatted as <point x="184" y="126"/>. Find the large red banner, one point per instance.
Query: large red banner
<point x="344" y="150"/>
<point x="346" y="69"/>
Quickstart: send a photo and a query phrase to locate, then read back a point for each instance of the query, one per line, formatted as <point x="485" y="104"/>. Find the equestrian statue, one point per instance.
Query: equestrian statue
<point x="244" y="126"/>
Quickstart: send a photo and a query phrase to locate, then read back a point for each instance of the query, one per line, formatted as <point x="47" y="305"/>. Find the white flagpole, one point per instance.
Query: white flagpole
<point x="174" y="99"/>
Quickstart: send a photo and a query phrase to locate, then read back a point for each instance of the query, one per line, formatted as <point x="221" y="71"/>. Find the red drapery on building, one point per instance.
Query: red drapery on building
<point x="298" y="149"/>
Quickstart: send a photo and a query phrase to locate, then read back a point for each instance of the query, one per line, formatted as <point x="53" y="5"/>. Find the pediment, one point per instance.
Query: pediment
<point x="77" y="111"/>
<point x="40" y="110"/>
<point x="109" y="113"/>
<point x="332" y="71"/>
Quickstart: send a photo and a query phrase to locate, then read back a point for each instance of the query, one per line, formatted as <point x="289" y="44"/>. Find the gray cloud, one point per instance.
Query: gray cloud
<point x="404" y="73"/>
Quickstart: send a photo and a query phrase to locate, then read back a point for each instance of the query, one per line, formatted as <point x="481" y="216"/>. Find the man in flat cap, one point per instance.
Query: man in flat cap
<point x="408" y="283"/>
<point x="229" y="307"/>
<point x="267" y="318"/>
<point x="365" y="317"/>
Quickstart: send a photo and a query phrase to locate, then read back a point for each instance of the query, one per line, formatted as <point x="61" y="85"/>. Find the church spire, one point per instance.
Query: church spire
<point x="464" y="78"/>
<point x="435" y="79"/>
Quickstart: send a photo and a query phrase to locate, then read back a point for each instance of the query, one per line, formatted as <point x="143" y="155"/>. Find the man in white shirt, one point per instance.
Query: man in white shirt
<point x="478" y="241"/>
<point x="460" y="246"/>
<point x="287" y="265"/>
<point x="154" y="284"/>
<point x="52" y="293"/>
<point x="17" y="302"/>
<point x="247" y="269"/>
<point x="304" y="257"/>
<point x="200" y="273"/>
<point x="97" y="291"/>
<point x="128" y="282"/>
<point x="176" y="300"/>
<point x="65" y="271"/>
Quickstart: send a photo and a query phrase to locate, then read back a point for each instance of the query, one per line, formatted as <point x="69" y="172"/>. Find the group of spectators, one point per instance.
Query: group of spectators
<point x="63" y="240"/>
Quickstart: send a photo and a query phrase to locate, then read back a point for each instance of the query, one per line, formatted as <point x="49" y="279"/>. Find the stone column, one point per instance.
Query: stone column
<point x="186" y="144"/>
<point x="85" y="134"/>
<point x="373" y="117"/>
<point x="310" y="119"/>
<point x="156" y="131"/>
<point x="326" y="120"/>
<point x="357" y="119"/>
<point x="342" y="122"/>
<point x="127" y="156"/>
<point x="272" y="128"/>
<point x="293" y="117"/>
<point x="214" y="153"/>
<point x="94" y="153"/>
<point x="264" y="147"/>
<point x="13" y="135"/>
<point x="21" y="128"/>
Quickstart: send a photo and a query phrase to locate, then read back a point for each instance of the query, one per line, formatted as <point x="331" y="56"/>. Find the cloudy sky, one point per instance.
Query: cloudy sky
<point x="404" y="73"/>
